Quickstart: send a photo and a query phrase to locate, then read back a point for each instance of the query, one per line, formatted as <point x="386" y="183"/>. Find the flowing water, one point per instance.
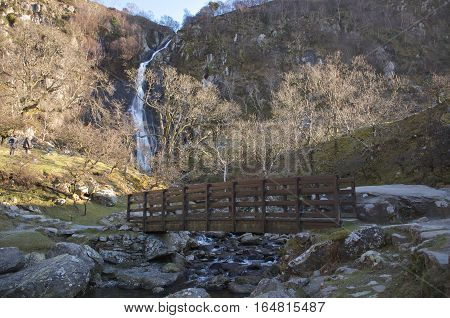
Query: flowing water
<point x="146" y="140"/>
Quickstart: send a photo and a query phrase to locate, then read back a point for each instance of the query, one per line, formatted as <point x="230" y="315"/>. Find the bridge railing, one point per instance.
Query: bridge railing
<point x="277" y="205"/>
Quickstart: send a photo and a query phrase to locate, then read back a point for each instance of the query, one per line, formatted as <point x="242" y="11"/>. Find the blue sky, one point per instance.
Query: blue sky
<point x="173" y="8"/>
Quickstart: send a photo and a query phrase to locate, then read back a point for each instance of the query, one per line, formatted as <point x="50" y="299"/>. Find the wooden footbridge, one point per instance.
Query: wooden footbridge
<point x="279" y="205"/>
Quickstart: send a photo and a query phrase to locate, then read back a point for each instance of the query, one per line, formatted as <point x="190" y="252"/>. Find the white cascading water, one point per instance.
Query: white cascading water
<point x="146" y="140"/>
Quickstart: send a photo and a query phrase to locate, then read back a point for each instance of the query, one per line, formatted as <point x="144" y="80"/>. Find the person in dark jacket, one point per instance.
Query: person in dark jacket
<point x="12" y="142"/>
<point x="27" y="145"/>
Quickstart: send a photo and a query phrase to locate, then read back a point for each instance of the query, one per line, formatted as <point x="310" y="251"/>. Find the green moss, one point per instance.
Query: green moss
<point x="339" y="235"/>
<point x="11" y="18"/>
<point x="26" y="241"/>
<point x="75" y="213"/>
<point x="41" y="168"/>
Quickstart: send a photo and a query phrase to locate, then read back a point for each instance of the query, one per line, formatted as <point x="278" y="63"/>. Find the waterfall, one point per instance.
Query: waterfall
<point x="146" y="140"/>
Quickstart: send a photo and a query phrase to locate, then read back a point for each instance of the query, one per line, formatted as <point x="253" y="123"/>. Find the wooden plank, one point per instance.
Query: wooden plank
<point x="249" y="204"/>
<point x="220" y="185"/>
<point x="249" y="182"/>
<point x="220" y="195"/>
<point x="247" y="193"/>
<point x="319" y="190"/>
<point x="281" y="203"/>
<point x="319" y="202"/>
<point x="195" y="190"/>
<point x="274" y="192"/>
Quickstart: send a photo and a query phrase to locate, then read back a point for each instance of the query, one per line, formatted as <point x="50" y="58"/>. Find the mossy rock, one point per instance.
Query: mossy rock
<point x="339" y="235"/>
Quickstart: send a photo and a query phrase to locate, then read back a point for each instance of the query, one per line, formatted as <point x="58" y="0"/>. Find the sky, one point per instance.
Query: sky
<point x="173" y="8"/>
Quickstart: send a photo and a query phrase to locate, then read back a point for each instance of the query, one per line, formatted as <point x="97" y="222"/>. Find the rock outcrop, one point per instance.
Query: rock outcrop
<point x="11" y="259"/>
<point x="60" y="276"/>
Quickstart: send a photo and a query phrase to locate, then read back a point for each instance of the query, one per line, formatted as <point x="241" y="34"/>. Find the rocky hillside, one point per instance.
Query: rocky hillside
<point x="245" y="52"/>
<point x="116" y="40"/>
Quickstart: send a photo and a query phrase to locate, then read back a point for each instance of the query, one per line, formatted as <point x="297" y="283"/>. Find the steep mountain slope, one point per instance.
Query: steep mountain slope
<point x="245" y="52"/>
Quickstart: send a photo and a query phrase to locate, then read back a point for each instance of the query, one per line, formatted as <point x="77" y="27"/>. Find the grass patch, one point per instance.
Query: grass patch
<point x="75" y="213"/>
<point x="30" y="180"/>
<point x="26" y="241"/>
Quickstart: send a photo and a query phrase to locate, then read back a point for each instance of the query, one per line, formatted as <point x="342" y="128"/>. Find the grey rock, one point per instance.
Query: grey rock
<point x="277" y="294"/>
<point x="240" y="288"/>
<point x="249" y="239"/>
<point x="296" y="282"/>
<point x="115" y="257"/>
<point x="155" y="247"/>
<point x="147" y="277"/>
<point x="312" y="259"/>
<point x="364" y="239"/>
<point x="360" y="294"/>
<point x="398" y="239"/>
<point x="217" y="282"/>
<point x="11" y="259"/>
<point x="190" y="293"/>
<point x="84" y="252"/>
<point x="314" y="286"/>
<point x="106" y="197"/>
<point x="61" y="276"/>
<point x="272" y="288"/>
<point x="157" y="290"/>
<point x="379" y="288"/>
<point x="371" y="259"/>
<point x="345" y="270"/>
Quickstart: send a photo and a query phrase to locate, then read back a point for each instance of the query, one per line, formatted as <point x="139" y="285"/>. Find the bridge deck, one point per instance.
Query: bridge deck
<point x="280" y="205"/>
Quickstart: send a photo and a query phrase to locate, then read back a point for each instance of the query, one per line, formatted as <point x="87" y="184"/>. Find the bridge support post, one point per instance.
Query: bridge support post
<point x="144" y="213"/>
<point x="297" y="204"/>
<point x="233" y="205"/>
<point x="185" y="209"/>
<point x="263" y="206"/>
<point x="337" y="204"/>
<point x="207" y="207"/>
<point x="163" y="209"/>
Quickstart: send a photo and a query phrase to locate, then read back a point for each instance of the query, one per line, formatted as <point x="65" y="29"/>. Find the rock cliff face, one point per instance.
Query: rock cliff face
<point x="245" y="52"/>
<point x="117" y="40"/>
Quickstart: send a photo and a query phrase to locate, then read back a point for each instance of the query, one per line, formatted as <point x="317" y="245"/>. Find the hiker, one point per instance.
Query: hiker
<point x="12" y="145"/>
<point x="27" y="145"/>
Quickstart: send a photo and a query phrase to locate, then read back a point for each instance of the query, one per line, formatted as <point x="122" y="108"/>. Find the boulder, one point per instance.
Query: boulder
<point x="146" y="277"/>
<point x="312" y="259"/>
<point x="115" y="257"/>
<point x="60" y="276"/>
<point x="249" y="239"/>
<point x="155" y="247"/>
<point x="106" y="197"/>
<point x="363" y="240"/>
<point x="84" y="252"/>
<point x="171" y="268"/>
<point x="272" y="288"/>
<point x="190" y="293"/>
<point x="216" y="282"/>
<point x="11" y="259"/>
<point x="398" y="239"/>
<point x="371" y="259"/>
<point x="237" y="288"/>
<point x="167" y="244"/>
